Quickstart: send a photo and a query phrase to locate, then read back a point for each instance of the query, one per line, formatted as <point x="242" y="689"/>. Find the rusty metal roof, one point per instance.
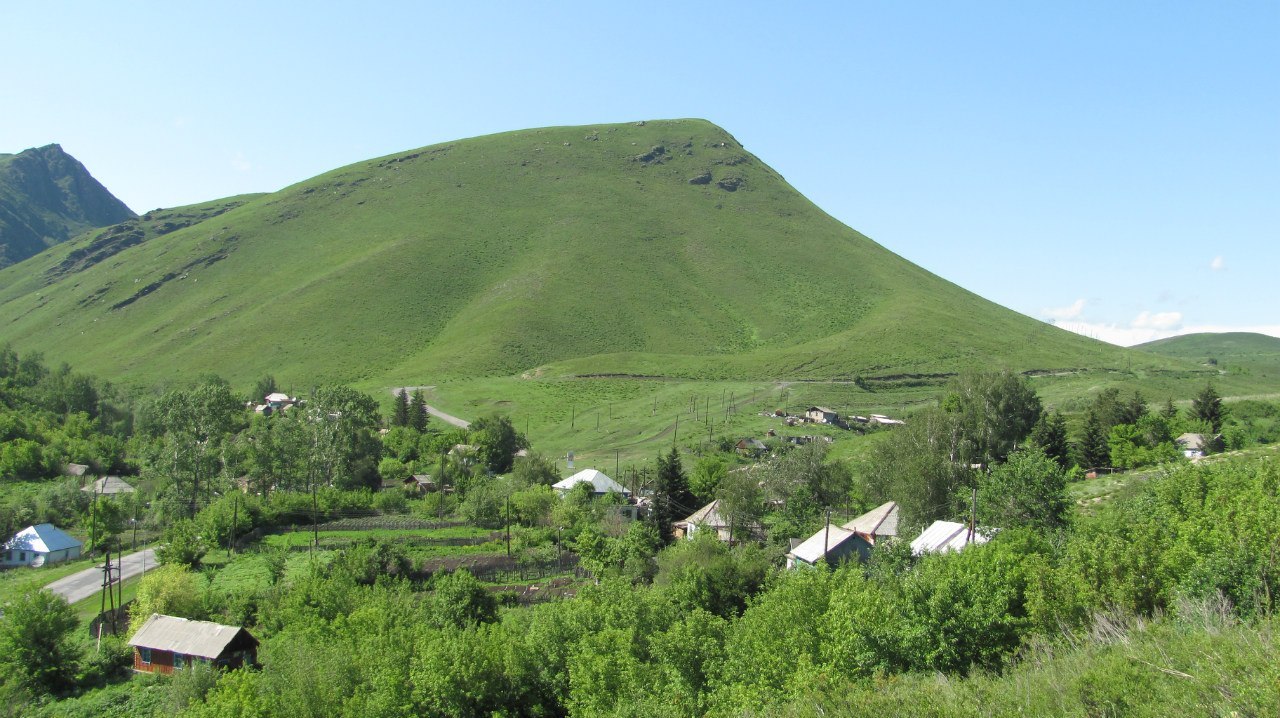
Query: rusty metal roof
<point x="182" y="635"/>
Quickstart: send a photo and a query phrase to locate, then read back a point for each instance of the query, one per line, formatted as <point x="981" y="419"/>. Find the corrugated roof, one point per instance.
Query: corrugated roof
<point x="600" y="483"/>
<point x="811" y="550"/>
<point x="182" y="635"/>
<point x="944" y="536"/>
<point x="708" y="515"/>
<point x="880" y="521"/>
<point x="109" y="485"/>
<point x="42" y="538"/>
<point x="1191" y="441"/>
<point x="75" y="469"/>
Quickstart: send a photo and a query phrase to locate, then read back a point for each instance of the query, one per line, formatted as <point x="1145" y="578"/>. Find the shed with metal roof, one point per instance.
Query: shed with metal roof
<point x="165" y="644"/>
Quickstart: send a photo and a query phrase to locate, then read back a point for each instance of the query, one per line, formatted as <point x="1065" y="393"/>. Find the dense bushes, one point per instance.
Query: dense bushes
<point x="708" y="638"/>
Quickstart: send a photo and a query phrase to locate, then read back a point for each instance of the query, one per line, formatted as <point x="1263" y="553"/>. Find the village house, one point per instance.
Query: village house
<point x="1193" y="445"/>
<point x="822" y="415"/>
<point x="708" y="518"/>
<point x="166" y="644"/>
<point x="421" y="483"/>
<point x="602" y="485"/>
<point x="856" y="537"/>
<point x="750" y="448"/>
<point x="39" y="545"/>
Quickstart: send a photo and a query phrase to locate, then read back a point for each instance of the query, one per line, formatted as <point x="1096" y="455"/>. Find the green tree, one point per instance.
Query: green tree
<point x="1169" y="411"/>
<point x="418" y="411"/>
<point x="342" y="426"/>
<point x="194" y="424"/>
<point x="1050" y="434"/>
<point x="1207" y="407"/>
<point x="707" y="474"/>
<point x="184" y="545"/>
<point x="1028" y="490"/>
<point x="1094" y="449"/>
<point x="1134" y="409"/>
<point x="264" y="386"/>
<point x="920" y="467"/>
<point x="400" y="416"/>
<point x="741" y="504"/>
<point x="534" y="470"/>
<point x="672" y="499"/>
<point x="36" y="645"/>
<point x="460" y="600"/>
<point x="496" y="442"/>
<point x="995" y="411"/>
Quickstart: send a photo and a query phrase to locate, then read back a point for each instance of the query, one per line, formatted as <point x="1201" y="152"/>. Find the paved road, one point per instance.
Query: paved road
<point x="79" y="586"/>
<point x="446" y="418"/>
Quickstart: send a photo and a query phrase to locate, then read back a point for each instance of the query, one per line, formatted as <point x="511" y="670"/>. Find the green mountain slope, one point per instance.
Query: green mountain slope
<point x="659" y="248"/>
<point x="46" y="197"/>
<point x="1239" y="351"/>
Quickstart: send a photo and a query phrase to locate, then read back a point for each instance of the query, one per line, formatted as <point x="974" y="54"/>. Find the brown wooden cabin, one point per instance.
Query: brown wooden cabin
<point x="166" y="644"/>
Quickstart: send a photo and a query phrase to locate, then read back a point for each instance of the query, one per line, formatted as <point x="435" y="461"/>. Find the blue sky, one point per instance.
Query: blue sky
<point x="1113" y="167"/>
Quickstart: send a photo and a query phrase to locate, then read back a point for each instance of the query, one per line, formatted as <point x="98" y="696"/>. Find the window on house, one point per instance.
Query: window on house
<point x="179" y="661"/>
<point x="144" y="654"/>
<point x="22" y="555"/>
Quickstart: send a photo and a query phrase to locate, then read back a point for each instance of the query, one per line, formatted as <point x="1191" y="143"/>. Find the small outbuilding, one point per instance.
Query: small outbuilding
<point x="942" y="536"/>
<point x="166" y="644"/>
<point x="108" y="486"/>
<point x="39" y="545"/>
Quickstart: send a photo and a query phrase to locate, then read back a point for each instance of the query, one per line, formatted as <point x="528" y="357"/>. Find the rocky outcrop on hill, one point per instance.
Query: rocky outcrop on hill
<point x="46" y="197"/>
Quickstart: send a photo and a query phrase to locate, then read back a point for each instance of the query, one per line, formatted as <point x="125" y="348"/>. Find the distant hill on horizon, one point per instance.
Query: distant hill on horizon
<point x="1240" y="350"/>
<point x="655" y="249"/>
<point x="47" y="197"/>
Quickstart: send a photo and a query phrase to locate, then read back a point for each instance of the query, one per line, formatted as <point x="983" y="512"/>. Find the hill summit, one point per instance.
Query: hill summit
<point x="659" y="248"/>
<point x="47" y="197"/>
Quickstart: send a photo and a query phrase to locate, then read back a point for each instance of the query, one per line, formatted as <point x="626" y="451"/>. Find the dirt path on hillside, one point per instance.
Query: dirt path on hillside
<point x="446" y="418"/>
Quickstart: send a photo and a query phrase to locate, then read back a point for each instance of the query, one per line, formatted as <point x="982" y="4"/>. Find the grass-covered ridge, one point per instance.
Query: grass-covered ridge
<point x="658" y="248"/>
<point x="1236" y="352"/>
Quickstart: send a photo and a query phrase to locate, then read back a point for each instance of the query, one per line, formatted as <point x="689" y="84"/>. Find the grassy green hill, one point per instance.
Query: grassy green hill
<point x="543" y="272"/>
<point x="657" y="248"/>
<point x="1231" y="352"/>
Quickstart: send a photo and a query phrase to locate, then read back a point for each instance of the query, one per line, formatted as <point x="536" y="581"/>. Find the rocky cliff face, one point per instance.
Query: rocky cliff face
<point x="46" y="197"/>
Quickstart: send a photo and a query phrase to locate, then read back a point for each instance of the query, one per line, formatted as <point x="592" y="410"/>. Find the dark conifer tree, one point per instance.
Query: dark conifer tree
<point x="672" y="499"/>
<point x="1050" y="434"/>
<point x="1207" y="407"/>
<point x="1094" y="451"/>
<point x="418" y="411"/>
<point x="400" y="417"/>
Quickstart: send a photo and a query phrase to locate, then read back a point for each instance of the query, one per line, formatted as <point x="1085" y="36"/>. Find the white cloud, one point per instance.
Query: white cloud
<point x="1218" y="264"/>
<point x="1159" y="320"/>
<point x="1062" y="313"/>
<point x="1127" y="336"/>
<point x="239" y="163"/>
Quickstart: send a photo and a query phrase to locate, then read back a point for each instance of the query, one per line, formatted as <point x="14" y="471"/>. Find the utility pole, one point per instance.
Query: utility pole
<point x="675" y="439"/>
<point x="973" y="515"/>
<point x="93" y="523"/>
<point x="235" y="520"/>
<point x="315" y="527"/>
<point x="440" y="503"/>
<point x="508" y="527"/>
<point x="573" y="417"/>
<point x="135" y="523"/>
<point x="826" y="535"/>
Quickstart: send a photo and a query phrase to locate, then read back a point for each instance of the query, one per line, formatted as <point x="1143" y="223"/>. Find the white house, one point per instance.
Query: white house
<point x="1192" y="445"/>
<point x="600" y="484"/>
<point x="39" y="545"/>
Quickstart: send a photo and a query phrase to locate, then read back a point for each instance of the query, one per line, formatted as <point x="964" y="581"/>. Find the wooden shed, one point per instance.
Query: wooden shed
<point x="166" y="644"/>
